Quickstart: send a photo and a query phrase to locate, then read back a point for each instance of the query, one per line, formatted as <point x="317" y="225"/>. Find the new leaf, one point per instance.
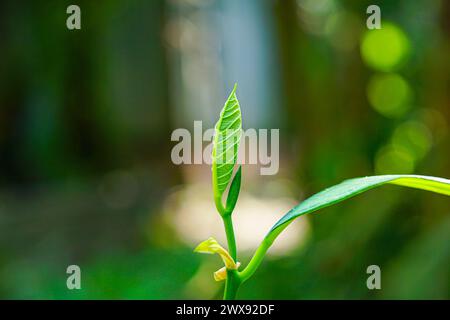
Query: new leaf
<point x="225" y="147"/>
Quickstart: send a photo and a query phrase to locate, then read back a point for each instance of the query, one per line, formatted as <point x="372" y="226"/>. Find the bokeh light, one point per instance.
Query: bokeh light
<point x="385" y="49"/>
<point x="389" y="94"/>
<point x="313" y="14"/>
<point x="413" y="136"/>
<point x="343" y="29"/>
<point x="392" y="159"/>
<point x="191" y="212"/>
<point x="436" y="122"/>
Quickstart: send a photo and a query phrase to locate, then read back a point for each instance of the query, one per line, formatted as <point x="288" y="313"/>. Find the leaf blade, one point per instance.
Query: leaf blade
<point x="336" y="194"/>
<point x="225" y="147"/>
<point x="353" y="187"/>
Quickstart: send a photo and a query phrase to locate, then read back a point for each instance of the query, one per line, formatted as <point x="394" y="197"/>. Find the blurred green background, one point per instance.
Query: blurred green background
<point x="85" y="123"/>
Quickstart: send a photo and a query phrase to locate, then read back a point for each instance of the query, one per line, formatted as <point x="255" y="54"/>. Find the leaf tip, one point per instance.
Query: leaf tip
<point x="205" y="246"/>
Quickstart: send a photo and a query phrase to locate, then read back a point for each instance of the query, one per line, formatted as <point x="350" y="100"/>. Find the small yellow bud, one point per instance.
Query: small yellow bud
<point x="211" y="246"/>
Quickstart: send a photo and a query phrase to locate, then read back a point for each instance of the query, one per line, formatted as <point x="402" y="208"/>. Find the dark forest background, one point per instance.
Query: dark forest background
<point x="86" y="116"/>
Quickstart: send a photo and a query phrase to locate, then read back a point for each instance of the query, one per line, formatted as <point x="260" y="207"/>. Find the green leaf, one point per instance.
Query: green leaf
<point x="233" y="193"/>
<point x="338" y="193"/>
<point x="225" y="147"/>
<point x="352" y="187"/>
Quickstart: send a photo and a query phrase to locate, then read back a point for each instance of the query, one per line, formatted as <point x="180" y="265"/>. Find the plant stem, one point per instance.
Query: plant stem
<point x="233" y="280"/>
<point x="260" y="253"/>
<point x="228" y="223"/>
<point x="231" y="285"/>
<point x="255" y="261"/>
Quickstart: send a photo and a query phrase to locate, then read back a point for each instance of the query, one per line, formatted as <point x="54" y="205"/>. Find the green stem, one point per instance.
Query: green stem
<point x="260" y="253"/>
<point x="233" y="280"/>
<point x="254" y="262"/>
<point x="231" y="285"/>
<point x="228" y="223"/>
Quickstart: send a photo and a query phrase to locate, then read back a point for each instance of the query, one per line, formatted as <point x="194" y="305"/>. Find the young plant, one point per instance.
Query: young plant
<point x="224" y="155"/>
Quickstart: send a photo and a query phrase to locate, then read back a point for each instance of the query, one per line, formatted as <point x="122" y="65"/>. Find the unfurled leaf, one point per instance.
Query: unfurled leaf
<point x="352" y="187"/>
<point x="225" y="147"/>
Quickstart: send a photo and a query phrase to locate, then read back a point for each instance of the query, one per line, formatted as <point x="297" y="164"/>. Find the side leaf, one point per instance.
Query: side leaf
<point x="338" y="193"/>
<point x="352" y="187"/>
<point x="233" y="193"/>
<point x="225" y="147"/>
